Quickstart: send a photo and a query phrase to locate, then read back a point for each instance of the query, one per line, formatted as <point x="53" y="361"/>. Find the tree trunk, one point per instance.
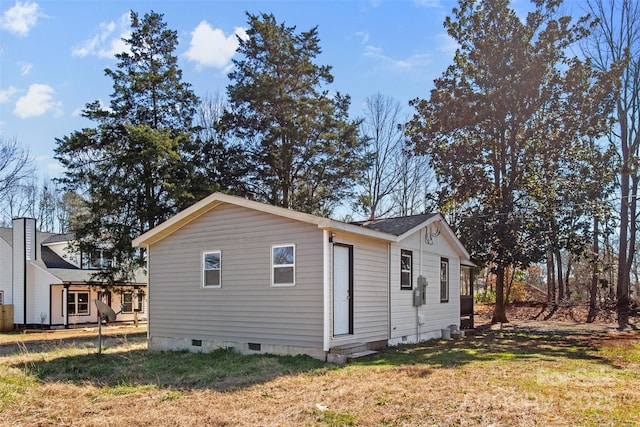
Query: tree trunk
<point x="567" y="291"/>
<point x="622" y="288"/>
<point x="500" y="310"/>
<point x="551" y="279"/>
<point x="561" y="295"/>
<point x="593" y="289"/>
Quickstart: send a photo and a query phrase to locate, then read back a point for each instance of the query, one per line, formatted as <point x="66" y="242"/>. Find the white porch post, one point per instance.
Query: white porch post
<point x="65" y="305"/>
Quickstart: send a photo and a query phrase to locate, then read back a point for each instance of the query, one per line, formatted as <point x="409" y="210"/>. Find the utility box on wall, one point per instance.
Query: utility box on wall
<point x="6" y="317"/>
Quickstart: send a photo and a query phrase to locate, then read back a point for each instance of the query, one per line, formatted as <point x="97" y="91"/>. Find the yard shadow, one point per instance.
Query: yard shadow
<point x="491" y="345"/>
<point x="221" y="370"/>
<point x="224" y="370"/>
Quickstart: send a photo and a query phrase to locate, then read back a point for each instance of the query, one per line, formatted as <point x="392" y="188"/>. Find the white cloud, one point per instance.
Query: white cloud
<point x="21" y="18"/>
<point x="108" y="41"/>
<point x="364" y="35"/>
<point x="408" y="64"/>
<point x="446" y="44"/>
<point x="38" y="101"/>
<point x="80" y="110"/>
<point x="209" y="46"/>
<point x="25" y="68"/>
<point x="428" y="3"/>
<point x="7" y="94"/>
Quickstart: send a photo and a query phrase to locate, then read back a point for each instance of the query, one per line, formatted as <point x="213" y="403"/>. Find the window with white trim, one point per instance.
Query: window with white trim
<point x="140" y="299"/>
<point x="444" y="280"/>
<point x="283" y="265"/>
<point x="132" y="302"/>
<point x="1" y="297"/>
<point x="406" y="269"/>
<point x="211" y="269"/>
<point x="127" y="302"/>
<point x="78" y="303"/>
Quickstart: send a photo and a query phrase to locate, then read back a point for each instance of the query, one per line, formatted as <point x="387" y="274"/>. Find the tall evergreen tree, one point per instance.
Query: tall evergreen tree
<point x="303" y="152"/>
<point x="501" y="116"/>
<point x="132" y="168"/>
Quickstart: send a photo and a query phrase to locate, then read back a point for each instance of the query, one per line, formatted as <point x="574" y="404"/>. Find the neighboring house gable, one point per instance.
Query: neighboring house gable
<point x="229" y="272"/>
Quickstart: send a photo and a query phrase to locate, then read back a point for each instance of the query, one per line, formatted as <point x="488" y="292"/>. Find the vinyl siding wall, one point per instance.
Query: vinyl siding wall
<point x="246" y="308"/>
<point x="411" y="324"/>
<point x="37" y="296"/>
<point x="6" y="271"/>
<point x="370" y="290"/>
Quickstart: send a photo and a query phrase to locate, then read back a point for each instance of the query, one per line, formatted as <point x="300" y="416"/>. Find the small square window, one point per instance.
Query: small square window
<point x="211" y="266"/>
<point x="283" y="270"/>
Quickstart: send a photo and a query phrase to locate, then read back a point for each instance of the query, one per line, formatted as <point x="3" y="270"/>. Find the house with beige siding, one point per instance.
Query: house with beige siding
<point x="50" y="285"/>
<point x="229" y="272"/>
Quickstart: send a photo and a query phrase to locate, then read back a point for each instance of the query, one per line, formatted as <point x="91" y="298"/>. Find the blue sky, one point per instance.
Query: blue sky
<point x="53" y="53"/>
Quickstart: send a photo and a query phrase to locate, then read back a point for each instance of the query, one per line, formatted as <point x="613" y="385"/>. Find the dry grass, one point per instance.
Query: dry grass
<point x="515" y="376"/>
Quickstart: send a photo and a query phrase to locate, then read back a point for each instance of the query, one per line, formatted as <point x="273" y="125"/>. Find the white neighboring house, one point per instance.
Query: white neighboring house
<point x="229" y="272"/>
<point x="50" y="286"/>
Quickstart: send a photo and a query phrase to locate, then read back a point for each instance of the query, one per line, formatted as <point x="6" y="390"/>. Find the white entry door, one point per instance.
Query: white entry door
<point x="342" y="279"/>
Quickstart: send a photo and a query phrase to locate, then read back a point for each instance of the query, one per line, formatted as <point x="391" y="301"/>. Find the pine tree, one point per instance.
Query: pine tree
<point x="302" y="150"/>
<point x="132" y="168"/>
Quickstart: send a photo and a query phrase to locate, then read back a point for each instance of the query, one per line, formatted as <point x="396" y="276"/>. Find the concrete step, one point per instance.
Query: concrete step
<point x="349" y="348"/>
<point x="359" y="354"/>
<point x="341" y="356"/>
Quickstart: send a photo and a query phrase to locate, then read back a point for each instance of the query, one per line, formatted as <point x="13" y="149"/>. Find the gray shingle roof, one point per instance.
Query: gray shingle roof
<point x="53" y="260"/>
<point x="55" y="238"/>
<point x="396" y="226"/>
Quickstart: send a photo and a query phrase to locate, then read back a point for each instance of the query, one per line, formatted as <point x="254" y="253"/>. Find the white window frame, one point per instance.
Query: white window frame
<point x="291" y="265"/>
<point x="136" y="301"/>
<point x="75" y="303"/>
<point x="219" y="269"/>
<point x="444" y="281"/>
<point x="405" y="253"/>
<point x="122" y="301"/>
<point x="139" y="305"/>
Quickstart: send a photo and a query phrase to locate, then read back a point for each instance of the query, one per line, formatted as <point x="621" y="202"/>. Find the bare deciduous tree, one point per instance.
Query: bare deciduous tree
<point x="616" y="39"/>
<point x="384" y="142"/>
<point x="16" y="164"/>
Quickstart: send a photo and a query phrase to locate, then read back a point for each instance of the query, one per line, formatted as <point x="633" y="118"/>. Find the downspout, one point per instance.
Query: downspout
<point x="24" y="277"/>
<point x="326" y="287"/>
<point x="389" y="290"/>
<point x="419" y="274"/>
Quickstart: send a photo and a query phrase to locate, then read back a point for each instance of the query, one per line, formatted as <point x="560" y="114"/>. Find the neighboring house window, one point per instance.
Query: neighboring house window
<point x="132" y="302"/>
<point x="78" y="303"/>
<point x="406" y="269"/>
<point x="283" y="265"/>
<point x="127" y="302"/>
<point x="211" y="269"/>
<point x="444" y="280"/>
<point x="1" y="297"/>
<point x="140" y="299"/>
<point x="96" y="260"/>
